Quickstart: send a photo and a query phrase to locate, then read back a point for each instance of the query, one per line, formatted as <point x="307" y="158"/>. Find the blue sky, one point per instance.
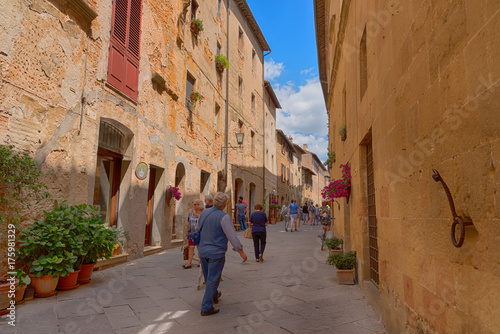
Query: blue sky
<point x="292" y="69"/>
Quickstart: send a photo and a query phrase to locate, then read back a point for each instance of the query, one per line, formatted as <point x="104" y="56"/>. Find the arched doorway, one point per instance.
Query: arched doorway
<point x="180" y="173"/>
<point x="114" y="139"/>
<point x="251" y="199"/>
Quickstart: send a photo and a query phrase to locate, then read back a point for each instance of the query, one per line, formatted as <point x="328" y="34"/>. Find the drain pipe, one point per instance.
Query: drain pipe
<point x="226" y="130"/>
<point x="83" y="97"/>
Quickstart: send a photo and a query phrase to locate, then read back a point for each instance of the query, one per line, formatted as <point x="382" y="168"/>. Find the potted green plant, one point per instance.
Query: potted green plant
<point x="330" y="160"/>
<point x="221" y="62"/>
<point x="23" y="280"/>
<point x="196" y="25"/>
<point x="98" y="243"/>
<point x="343" y="132"/>
<point x="345" y="264"/>
<point x="334" y="245"/>
<point x="48" y="249"/>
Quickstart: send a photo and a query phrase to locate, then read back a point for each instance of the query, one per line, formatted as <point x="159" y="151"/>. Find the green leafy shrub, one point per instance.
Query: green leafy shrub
<point x="222" y="60"/>
<point x="333" y="243"/>
<point x="20" y="185"/>
<point x="344" y="261"/>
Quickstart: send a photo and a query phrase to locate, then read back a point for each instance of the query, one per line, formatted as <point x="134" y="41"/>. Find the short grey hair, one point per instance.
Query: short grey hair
<point x="220" y="200"/>
<point x="209" y="199"/>
<point x="200" y="203"/>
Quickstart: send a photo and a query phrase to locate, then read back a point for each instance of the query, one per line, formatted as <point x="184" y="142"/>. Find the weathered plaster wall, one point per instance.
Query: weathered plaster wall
<point x="49" y="56"/>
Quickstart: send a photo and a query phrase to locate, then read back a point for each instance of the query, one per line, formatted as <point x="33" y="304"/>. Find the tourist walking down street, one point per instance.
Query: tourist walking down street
<point x="216" y="229"/>
<point x="191" y="229"/>
<point x="284" y="213"/>
<point x="312" y="214"/>
<point x="242" y="209"/>
<point x="258" y="222"/>
<point x="293" y="212"/>
<point x="305" y="213"/>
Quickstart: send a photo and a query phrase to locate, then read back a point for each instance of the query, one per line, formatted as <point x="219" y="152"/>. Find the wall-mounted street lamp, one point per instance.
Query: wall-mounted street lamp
<point x="239" y="139"/>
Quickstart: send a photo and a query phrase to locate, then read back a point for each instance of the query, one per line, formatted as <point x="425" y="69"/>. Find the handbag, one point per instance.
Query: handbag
<point x="186" y="252"/>
<point x="196" y="238"/>
<point x="248" y="233"/>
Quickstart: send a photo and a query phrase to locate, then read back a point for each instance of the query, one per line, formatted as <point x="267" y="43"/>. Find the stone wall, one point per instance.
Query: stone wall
<point x="431" y="102"/>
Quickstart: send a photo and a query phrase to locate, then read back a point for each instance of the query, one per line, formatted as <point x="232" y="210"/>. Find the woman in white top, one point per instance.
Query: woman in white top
<point x="192" y="227"/>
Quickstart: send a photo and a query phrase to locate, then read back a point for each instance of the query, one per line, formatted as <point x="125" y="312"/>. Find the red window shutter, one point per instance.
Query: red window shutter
<point x="123" y="67"/>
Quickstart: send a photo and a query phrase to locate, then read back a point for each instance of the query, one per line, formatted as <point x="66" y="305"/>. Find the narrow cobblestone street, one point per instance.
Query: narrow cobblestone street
<point x="292" y="291"/>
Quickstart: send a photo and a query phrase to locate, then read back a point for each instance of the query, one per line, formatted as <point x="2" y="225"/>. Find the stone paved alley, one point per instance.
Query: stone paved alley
<point x="292" y="291"/>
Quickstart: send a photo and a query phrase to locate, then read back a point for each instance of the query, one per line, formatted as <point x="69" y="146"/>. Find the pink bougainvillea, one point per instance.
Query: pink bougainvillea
<point x="174" y="191"/>
<point x="338" y="188"/>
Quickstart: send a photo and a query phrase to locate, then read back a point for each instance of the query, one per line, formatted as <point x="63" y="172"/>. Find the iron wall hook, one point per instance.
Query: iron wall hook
<point x="457" y="220"/>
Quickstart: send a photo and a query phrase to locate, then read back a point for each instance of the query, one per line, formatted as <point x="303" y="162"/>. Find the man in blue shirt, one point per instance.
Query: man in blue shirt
<point x="242" y="209"/>
<point x="293" y="211"/>
<point x="216" y="229"/>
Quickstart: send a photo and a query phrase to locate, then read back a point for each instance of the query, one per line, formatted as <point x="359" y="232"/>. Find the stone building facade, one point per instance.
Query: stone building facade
<point x="271" y="103"/>
<point x="287" y="182"/>
<point x="313" y="177"/>
<point x="99" y="93"/>
<point x="415" y="83"/>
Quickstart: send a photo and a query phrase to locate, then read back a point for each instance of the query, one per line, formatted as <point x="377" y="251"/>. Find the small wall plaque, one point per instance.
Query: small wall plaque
<point x="141" y="170"/>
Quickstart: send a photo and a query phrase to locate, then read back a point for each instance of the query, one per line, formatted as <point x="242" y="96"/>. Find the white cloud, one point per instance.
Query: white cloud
<point x="307" y="71"/>
<point x="272" y="70"/>
<point x="303" y="115"/>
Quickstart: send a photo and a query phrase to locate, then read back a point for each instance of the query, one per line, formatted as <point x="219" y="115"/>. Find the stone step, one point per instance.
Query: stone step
<point x="149" y="250"/>
<point x="113" y="261"/>
<point x="176" y="242"/>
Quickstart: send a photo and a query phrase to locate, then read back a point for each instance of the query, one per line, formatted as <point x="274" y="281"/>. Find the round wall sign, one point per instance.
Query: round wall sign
<point x="141" y="170"/>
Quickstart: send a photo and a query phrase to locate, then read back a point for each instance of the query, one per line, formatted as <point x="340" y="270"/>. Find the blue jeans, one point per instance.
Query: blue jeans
<point x="212" y="271"/>
<point x="241" y="220"/>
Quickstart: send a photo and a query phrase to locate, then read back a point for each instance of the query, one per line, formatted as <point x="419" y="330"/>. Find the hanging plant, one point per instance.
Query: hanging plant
<point x="330" y="160"/>
<point x="339" y="188"/>
<point x="174" y="192"/>
<point x="221" y="62"/>
<point x="196" y="97"/>
<point x="196" y="25"/>
<point x="343" y="132"/>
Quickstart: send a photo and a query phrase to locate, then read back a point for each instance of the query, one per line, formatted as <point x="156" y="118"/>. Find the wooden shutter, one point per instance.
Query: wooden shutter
<point x="123" y="67"/>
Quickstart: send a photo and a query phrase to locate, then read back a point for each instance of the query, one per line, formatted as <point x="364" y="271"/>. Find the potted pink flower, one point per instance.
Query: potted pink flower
<point x="339" y="188"/>
<point x="174" y="192"/>
<point x="195" y="98"/>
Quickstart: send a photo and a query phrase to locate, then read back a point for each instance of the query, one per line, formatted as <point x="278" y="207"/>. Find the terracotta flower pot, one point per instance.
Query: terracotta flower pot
<point x="45" y="286"/>
<point x="20" y="289"/>
<point x="194" y="28"/>
<point x="85" y="273"/>
<point x="68" y="282"/>
<point x="29" y="294"/>
<point x="345" y="276"/>
<point x="219" y="67"/>
<point x="335" y="251"/>
<point x="5" y="288"/>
